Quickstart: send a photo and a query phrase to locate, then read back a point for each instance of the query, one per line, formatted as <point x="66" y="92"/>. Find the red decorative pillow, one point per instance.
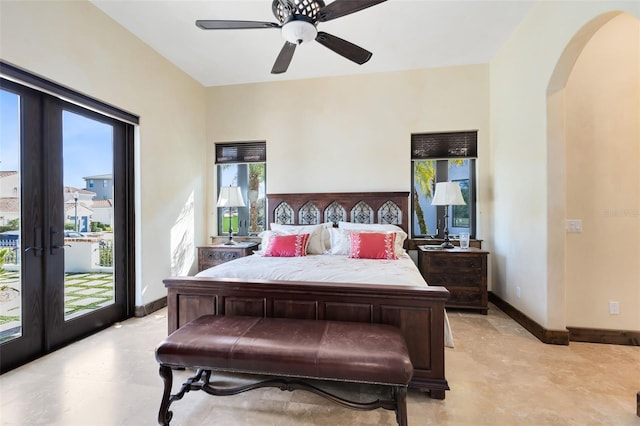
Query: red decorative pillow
<point x="373" y="245"/>
<point x="287" y="245"/>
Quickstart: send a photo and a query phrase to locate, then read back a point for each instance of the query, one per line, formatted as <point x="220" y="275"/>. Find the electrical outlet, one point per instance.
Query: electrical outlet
<point x="518" y="292"/>
<point x="574" y="225"/>
<point x="614" y="308"/>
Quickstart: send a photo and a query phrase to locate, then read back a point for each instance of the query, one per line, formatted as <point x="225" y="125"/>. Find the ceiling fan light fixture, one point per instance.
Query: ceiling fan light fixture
<point x="299" y="31"/>
<point x="297" y="20"/>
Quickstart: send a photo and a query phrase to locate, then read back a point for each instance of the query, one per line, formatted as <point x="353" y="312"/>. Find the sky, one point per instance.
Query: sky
<point x="87" y="144"/>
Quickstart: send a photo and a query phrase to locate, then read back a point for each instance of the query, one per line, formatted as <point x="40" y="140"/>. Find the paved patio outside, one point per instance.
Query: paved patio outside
<point x="83" y="293"/>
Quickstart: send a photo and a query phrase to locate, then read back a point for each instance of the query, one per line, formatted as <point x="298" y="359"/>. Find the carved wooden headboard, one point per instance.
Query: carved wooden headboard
<point x="359" y="207"/>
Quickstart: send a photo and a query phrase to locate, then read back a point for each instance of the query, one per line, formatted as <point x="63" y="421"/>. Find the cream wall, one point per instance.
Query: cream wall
<point x="602" y="133"/>
<point x="345" y="134"/>
<point x="528" y="180"/>
<point x="73" y="43"/>
<point x="333" y="134"/>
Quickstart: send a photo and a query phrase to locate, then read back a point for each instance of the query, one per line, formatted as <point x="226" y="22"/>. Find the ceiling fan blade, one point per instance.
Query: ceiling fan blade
<point x="342" y="47"/>
<point x="284" y="58"/>
<point x="233" y="25"/>
<point x="340" y="8"/>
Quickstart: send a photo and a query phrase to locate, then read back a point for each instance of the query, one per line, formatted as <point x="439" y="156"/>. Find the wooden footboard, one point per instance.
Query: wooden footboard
<point x="417" y="311"/>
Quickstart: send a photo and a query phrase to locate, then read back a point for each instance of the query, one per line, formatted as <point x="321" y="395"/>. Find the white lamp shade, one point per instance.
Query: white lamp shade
<point x="447" y="194"/>
<point x="230" y="196"/>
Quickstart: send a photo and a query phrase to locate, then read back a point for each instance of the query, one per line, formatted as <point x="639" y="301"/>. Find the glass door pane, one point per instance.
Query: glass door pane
<point x="10" y="274"/>
<point x="88" y="214"/>
<point x="59" y="212"/>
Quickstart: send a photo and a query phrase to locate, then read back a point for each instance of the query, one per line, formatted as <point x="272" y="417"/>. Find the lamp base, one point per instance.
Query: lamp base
<point x="447" y="245"/>
<point x="230" y="241"/>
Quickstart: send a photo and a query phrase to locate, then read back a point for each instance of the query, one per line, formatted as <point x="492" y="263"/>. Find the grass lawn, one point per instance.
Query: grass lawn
<point x="83" y="293"/>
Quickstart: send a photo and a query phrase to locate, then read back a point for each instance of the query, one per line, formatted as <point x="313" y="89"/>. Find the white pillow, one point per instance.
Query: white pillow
<point x="265" y="237"/>
<point x="401" y="236"/>
<point x="327" y="227"/>
<point x="340" y="241"/>
<point x="318" y="238"/>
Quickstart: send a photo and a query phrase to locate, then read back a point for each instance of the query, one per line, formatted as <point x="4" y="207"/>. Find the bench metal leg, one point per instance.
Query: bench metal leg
<point x="201" y="381"/>
<point x="196" y="382"/>
<point x="400" y="396"/>
<point x="164" y="416"/>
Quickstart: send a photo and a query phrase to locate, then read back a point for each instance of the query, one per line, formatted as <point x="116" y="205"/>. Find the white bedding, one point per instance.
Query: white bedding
<point x="322" y="268"/>
<point x="325" y="268"/>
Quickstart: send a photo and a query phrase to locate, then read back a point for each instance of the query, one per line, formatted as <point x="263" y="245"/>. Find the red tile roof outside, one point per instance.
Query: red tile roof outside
<point x="5" y="173"/>
<point x="99" y="204"/>
<point x="10" y="204"/>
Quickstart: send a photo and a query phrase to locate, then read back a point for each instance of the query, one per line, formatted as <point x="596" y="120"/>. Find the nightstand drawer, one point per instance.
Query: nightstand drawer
<point x="216" y="257"/>
<point x="457" y="280"/>
<point x="464" y="298"/>
<point x="216" y="254"/>
<point x="447" y="263"/>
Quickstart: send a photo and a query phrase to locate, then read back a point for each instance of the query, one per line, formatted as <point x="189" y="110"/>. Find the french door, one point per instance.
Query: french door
<point x="66" y="228"/>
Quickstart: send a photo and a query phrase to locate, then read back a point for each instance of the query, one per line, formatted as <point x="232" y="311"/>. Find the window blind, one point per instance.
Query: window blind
<point x="426" y="146"/>
<point x="241" y="152"/>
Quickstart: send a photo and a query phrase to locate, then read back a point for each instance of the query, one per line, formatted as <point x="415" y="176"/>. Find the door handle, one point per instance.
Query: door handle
<point x="52" y="234"/>
<point x="37" y="243"/>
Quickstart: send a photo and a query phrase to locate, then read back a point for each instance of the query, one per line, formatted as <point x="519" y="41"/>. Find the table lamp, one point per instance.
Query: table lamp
<point x="447" y="194"/>
<point x="229" y="197"/>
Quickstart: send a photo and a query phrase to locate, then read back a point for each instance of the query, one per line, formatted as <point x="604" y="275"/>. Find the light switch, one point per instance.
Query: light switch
<point x="574" y="225"/>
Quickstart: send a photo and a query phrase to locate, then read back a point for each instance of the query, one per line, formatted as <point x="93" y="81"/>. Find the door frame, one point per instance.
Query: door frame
<point x="43" y="95"/>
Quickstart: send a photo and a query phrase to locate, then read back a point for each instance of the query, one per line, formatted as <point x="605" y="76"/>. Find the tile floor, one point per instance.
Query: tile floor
<point x="499" y="375"/>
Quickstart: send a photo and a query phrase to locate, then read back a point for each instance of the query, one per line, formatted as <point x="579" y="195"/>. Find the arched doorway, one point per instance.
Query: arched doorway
<point x="593" y="141"/>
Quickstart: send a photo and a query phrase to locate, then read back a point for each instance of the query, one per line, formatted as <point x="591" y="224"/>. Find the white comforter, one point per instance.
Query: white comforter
<point x="325" y="268"/>
<point x="321" y="268"/>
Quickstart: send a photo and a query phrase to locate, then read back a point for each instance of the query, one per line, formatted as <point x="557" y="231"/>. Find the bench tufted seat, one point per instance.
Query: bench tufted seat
<point x="289" y="348"/>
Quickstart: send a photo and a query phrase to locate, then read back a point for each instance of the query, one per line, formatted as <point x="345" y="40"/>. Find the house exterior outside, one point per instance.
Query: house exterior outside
<point x="102" y="211"/>
<point x="80" y="199"/>
<point x="9" y="196"/>
<point x="100" y="185"/>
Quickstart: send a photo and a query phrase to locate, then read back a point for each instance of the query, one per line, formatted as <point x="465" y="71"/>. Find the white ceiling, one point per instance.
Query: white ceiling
<point x="402" y="34"/>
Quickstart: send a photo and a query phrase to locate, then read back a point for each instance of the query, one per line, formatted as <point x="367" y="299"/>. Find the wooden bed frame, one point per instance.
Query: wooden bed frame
<point x="418" y="311"/>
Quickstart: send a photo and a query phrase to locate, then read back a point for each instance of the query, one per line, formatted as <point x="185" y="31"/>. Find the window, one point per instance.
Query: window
<point x="243" y="164"/>
<point x="460" y="216"/>
<point x="91" y="183"/>
<point x="441" y="157"/>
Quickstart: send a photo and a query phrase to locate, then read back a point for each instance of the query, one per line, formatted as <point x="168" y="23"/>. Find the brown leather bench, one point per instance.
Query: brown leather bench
<point x="290" y="352"/>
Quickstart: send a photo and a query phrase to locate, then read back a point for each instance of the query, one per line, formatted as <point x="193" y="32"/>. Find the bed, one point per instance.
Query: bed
<point x="396" y="295"/>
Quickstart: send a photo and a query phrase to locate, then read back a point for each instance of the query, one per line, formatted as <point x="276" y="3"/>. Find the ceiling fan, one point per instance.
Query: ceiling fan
<point x="297" y="20"/>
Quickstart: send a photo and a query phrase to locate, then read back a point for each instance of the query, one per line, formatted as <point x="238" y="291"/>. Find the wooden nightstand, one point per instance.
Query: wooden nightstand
<point x="215" y="254"/>
<point x="462" y="272"/>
